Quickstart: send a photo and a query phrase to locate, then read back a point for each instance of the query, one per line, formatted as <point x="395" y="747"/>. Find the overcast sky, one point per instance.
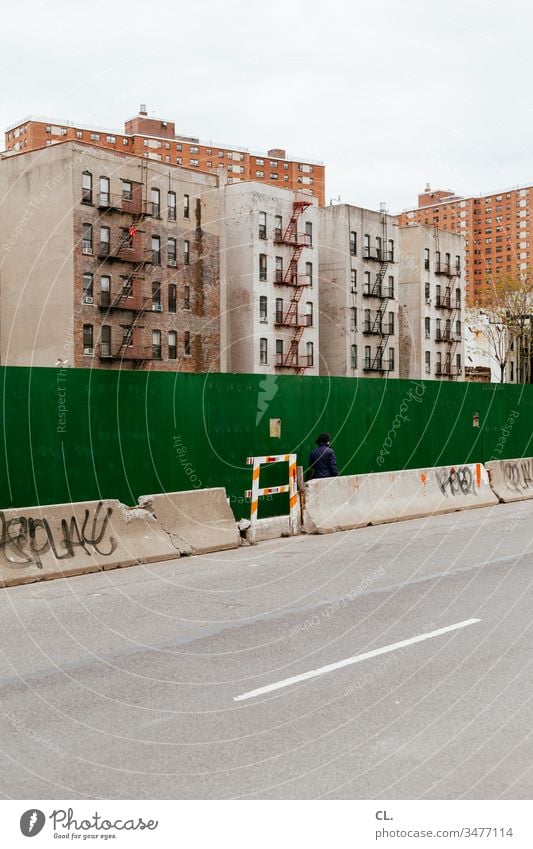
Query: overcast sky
<point x="388" y="94"/>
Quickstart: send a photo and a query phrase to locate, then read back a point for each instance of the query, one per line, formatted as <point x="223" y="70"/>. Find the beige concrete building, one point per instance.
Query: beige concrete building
<point x="270" y="260"/>
<point x="108" y="261"/>
<point x="358" y="284"/>
<point x="431" y="303"/>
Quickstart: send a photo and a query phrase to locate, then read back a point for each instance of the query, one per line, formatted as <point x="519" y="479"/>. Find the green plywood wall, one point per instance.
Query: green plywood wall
<point x="125" y="434"/>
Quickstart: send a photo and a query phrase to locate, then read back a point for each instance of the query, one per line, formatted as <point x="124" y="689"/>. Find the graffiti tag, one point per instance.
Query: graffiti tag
<point x="518" y="475"/>
<point x="456" y="481"/>
<point x="25" y="540"/>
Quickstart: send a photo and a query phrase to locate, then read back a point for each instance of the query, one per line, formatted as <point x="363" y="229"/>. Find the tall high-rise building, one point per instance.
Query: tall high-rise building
<point x="157" y="140"/>
<point x="496" y="228"/>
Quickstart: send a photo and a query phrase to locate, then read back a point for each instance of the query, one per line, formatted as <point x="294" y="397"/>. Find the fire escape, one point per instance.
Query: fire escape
<point x="451" y="306"/>
<point x="131" y="298"/>
<point x="382" y="293"/>
<point x="296" y="242"/>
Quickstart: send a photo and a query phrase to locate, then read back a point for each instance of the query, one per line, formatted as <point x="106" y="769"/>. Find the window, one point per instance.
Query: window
<point x="310" y="353"/>
<point x="259" y="173"/>
<point x="353" y="243"/>
<point x="172" y="344"/>
<point x="94" y="137"/>
<point x="458" y="297"/>
<point x="263" y="352"/>
<point x="367" y="321"/>
<point x="156" y="344"/>
<point x="87" y="289"/>
<point x="79" y="134"/>
<point x="458" y="330"/>
<point x="86" y="187"/>
<point x="366" y="245"/>
<point x="171" y="206"/>
<point x="274" y="177"/>
<point x="427" y="291"/>
<point x="366" y="285"/>
<point x="262" y="267"/>
<point x="391" y="359"/>
<point x="353" y="281"/>
<point x="193" y="149"/>
<point x="391" y="250"/>
<point x="279" y="352"/>
<point x="367" y="356"/>
<point x="105" y="241"/>
<point x="279" y="270"/>
<point x="155" y="198"/>
<point x="427" y="328"/>
<point x="105" y="291"/>
<point x="172" y="297"/>
<point x="186" y="206"/>
<point x="262" y="225"/>
<point x="105" y="347"/>
<point x="427" y="362"/>
<point x="127" y="190"/>
<point x="187" y="298"/>
<point x="156" y="296"/>
<point x="438" y="367"/>
<point x="309" y="313"/>
<point x="194" y="162"/>
<point x="309" y="273"/>
<point x="105" y="190"/>
<point x="171" y="251"/>
<point x="259" y="161"/>
<point x="279" y="310"/>
<point x="156" y="250"/>
<point x="426" y="258"/>
<point x="391" y="287"/>
<point x="379" y="245"/>
<point x="390" y="328"/>
<point x="263" y="310"/>
<point x="88" y="348"/>
<point x="186" y="252"/>
<point x="127" y="336"/>
<point x="278" y="227"/>
<point x="354" y="356"/>
<point x="457" y="264"/>
<point x="309" y="233"/>
<point x="187" y="343"/>
<point x="437" y="329"/>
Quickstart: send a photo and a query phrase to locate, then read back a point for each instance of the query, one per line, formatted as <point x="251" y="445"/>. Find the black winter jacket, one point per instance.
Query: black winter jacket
<point x="323" y="462"/>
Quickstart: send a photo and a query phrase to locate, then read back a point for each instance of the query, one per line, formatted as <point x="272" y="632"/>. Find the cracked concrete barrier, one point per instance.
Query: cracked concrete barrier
<point x="511" y="480"/>
<point x="60" y="540"/>
<point x="354" y="501"/>
<point x="198" y="521"/>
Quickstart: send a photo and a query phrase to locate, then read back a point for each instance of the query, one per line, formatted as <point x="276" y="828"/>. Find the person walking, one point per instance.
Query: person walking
<point x="322" y="462"/>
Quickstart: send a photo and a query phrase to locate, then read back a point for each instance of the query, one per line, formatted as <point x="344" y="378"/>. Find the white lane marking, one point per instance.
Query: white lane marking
<point x="322" y="670"/>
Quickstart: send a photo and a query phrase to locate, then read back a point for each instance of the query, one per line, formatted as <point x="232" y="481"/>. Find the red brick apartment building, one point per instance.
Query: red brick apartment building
<point x="496" y="228"/>
<point x="155" y="139"/>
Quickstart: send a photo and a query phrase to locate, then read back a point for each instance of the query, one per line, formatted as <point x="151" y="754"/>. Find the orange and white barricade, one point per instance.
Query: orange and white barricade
<point x="292" y="487"/>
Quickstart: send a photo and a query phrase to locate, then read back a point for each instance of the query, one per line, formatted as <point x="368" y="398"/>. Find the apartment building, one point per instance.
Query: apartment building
<point x="270" y="258"/>
<point x="431" y="298"/>
<point x="496" y="227"/>
<point x="358" y="285"/>
<point x="156" y="140"/>
<point x="108" y="261"/>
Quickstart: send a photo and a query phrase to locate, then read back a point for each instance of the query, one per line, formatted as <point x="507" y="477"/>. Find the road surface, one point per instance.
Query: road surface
<point x="142" y="682"/>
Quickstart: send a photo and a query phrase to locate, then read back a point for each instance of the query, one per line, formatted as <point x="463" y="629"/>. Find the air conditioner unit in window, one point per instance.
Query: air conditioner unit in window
<point x="88" y="352"/>
<point x="88" y="300"/>
<point x="428" y="301"/>
<point x="86" y="249"/>
<point x="353" y="290"/>
<point x="157" y="307"/>
<point x="172" y="263"/>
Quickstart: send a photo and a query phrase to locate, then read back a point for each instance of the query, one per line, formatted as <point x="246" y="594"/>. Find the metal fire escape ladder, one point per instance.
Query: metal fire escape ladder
<point x="297" y="243"/>
<point x="382" y="331"/>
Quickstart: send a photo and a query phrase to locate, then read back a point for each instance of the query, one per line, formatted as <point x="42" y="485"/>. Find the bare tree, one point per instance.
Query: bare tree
<point x="508" y="308"/>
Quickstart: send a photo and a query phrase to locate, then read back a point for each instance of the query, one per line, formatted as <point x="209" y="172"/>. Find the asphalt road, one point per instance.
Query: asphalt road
<point x="125" y="684"/>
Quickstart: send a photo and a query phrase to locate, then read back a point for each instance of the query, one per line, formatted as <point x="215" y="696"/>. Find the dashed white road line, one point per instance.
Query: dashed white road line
<point x="348" y="661"/>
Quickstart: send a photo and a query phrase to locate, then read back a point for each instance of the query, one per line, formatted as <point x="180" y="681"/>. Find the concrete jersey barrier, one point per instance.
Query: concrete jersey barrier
<point x="60" y="540"/>
<point x="197" y="521"/>
<point x="353" y="501"/>
<point x="511" y="480"/>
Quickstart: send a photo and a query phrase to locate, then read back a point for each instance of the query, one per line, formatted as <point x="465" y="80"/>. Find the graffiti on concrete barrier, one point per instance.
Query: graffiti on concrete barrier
<point x="518" y="474"/>
<point x="25" y="540"/>
<point x="456" y="481"/>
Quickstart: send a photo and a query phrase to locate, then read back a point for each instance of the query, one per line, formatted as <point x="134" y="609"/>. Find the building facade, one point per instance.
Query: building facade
<point x="270" y="259"/>
<point x="108" y="261"/>
<point x="358" y="285"/>
<point x="496" y="227"/>
<point x="431" y="304"/>
<point x="156" y="140"/>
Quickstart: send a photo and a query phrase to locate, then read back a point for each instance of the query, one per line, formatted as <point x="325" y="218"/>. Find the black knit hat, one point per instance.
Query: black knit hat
<point x="323" y="439"/>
